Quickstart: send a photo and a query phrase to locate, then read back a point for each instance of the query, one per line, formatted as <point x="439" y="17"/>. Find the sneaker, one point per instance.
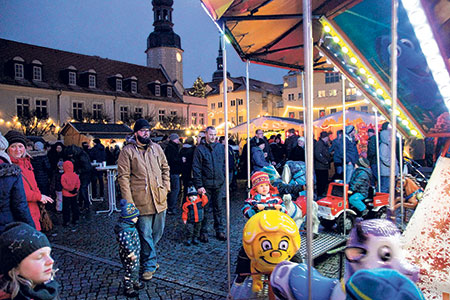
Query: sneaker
<point x="146" y="276"/>
<point x="138" y="285"/>
<point x="129" y="291"/>
<point x="239" y="280"/>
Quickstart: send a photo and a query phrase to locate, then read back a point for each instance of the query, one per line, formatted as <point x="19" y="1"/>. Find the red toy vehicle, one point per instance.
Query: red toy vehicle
<point x="331" y="209"/>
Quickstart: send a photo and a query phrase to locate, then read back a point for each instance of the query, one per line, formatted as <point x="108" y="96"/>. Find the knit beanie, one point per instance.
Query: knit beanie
<point x="192" y="191"/>
<point x="128" y="210"/>
<point x="349" y="129"/>
<point x="271" y="171"/>
<point x="3" y="146"/>
<point x="14" y="136"/>
<point x="259" y="178"/>
<point x="39" y="146"/>
<point x="173" y="136"/>
<point x="17" y="241"/>
<point x="381" y="284"/>
<point x="141" y="123"/>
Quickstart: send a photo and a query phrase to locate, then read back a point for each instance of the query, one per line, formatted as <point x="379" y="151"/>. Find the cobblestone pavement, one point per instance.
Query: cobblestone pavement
<point x="89" y="265"/>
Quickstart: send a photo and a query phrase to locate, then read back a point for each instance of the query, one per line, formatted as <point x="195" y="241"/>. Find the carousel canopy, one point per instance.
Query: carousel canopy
<point x="354" y="36"/>
<point x="267" y="124"/>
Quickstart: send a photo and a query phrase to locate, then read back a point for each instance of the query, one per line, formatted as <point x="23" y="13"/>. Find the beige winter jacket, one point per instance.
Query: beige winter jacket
<point x="143" y="176"/>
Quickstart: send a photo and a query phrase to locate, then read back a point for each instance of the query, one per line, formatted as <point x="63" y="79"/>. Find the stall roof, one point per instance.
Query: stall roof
<point x="270" y="32"/>
<point x="101" y="131"/>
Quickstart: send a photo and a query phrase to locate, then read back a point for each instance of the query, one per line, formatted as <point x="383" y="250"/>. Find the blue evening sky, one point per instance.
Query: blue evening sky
<point x="118" y="29"/>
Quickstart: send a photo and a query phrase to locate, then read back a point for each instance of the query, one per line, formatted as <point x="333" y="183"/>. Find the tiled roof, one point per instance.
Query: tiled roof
<point x="54" y="61"/>
<point x="254" y="85"/>
<point x="99" y="128"/>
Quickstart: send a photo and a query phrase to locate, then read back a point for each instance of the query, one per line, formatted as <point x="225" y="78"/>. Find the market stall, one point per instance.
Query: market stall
<point x="270" y="125"/>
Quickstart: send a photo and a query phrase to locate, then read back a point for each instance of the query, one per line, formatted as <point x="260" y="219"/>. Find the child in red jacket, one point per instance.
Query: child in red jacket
<point x="193" y="214"/>
<point x="70" y="186"/>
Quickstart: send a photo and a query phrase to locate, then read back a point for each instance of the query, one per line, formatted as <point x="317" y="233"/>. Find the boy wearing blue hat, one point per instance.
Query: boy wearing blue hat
<point x="129" y="247"/>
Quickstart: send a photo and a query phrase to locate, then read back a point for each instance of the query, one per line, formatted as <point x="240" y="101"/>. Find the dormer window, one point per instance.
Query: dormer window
<point x="92" y="81"/>
<point x="133" y="87"/>
<point x="169" y="92"/>
<point x="37" y="70"/>
<point x="18" y="67"/>
<point x="118" y="84"/>
<point x="72" y="78"/>
<point x="157" y="90"/>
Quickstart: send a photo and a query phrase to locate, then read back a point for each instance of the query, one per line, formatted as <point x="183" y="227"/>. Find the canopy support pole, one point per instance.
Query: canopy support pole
<point x="377" y="138"/>
<point x="308" y="59"/>
<point x="247" y="96"/>
<point x="344" y="150"/>
<point x="227" y="163"/>
<point x="400" y="149"/>
<point x="394" y="102"/>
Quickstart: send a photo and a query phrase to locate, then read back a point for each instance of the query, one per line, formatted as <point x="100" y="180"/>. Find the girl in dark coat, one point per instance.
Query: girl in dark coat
<point x="13" y="203"/>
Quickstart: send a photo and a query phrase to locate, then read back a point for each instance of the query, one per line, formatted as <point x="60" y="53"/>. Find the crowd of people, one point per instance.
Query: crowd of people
<point x="169" y="177"/>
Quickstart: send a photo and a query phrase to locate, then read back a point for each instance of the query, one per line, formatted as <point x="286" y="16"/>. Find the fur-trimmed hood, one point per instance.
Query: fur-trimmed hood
<point x="7" y="169"/>
<point x="35" y="153"/>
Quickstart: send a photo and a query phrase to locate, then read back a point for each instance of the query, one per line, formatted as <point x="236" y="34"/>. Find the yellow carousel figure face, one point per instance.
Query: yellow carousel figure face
<point x="269" y="238"/>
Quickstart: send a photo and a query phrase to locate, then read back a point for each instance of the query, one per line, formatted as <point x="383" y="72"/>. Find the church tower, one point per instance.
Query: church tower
<point x="164" y="45"/>
<point x="218" y="74"/>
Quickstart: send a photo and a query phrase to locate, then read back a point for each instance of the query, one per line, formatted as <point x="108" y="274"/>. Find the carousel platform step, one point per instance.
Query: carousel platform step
<point x="322" y="244"/>
<point x="244" y="291"/>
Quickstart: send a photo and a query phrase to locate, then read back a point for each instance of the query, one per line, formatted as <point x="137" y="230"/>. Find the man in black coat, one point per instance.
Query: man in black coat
<point x="208" y="169"/>
<point x="322" y="160"/>
<point x="187" y="156"/>
<point x="172" y="152"/>
<point x="372" y="154"/>
<point x="98" y="154"/>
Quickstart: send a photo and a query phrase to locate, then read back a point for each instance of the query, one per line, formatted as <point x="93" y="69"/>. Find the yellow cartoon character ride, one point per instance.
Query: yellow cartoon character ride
<point x="269" y="238"/>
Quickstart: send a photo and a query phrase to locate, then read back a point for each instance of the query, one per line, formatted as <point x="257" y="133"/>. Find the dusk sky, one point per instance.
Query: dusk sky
<point x="118" y="29"/>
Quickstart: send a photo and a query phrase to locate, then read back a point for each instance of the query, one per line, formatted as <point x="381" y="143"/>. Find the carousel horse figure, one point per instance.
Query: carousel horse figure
<point x="372" y="244"/>
<point x="413" y="193"/>
<point x="269" y="238"/>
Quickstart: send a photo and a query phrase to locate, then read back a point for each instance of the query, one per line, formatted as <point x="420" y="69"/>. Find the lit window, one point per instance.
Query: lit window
<point x="321" y="94"/>
<point x="18" y="71"/>
<point x="332" y="92"/>
<point x="118" y="84"/>
<point x="92" y="81"/>
<point x="77" y="111"/>
<point x="350" y="91"/>
<point x="161" y="115"/>
<point x="194" y="118"/>
<point x="202" y="118"/>
<point x="133" y="87"/>
<point x="219" y="105"/>
<point x="169" y="92"/>
<point x="138" y="112"/>
<point x="157" y="90"/>
<point x="23" y="107"/>
<point x="321" y="113"/>
<point x="291" y="114"/>
<point x="124" y="113"/>
<point x="97" y="109"/>
<point x="37" y="73"/>
<point x="41" y="109"/>
<point x="72" y="78"/>
<point x="213" y="106"/>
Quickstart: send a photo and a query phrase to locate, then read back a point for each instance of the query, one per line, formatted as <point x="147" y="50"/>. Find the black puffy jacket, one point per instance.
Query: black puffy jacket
<point x="172" y="153"/>
<point x="208" y="166"/>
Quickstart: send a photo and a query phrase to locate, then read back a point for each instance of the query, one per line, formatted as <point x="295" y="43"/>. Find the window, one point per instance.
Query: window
<point x="97" y="111"/>
<point x="333" y="110"/>
<point x="23" y="107"/>
<point x="352" y="108"/>
<point x="213" y="122"/>
<point x="92" y="81"/>
<point x="240" y="101"/>
<point x="321" y="94"/>
<point x="265" y="104"/>
<point x="364" y="108"/>
<point x="220" y="120"/>
<point x="169" y="92"/>
<point x="332" y="93"/>
<point x="233" y="102"/>
<point x="77" y="111"/>
<point x="241" y="119"/>
<point x="18" y="71"/>
<point x="194" y="118"/>
<point x="123" y="113"/>
<point x="350" y="91"/>
<point x="37" y="73"/>
<point x="300" y="96"/>
<point x="321" y="113"/>
<point x="72" y="78"/>
<point x="201" y="118"/>
<point x="332" y="77"/>
<point x="118" y="85"/>
<point x="173" y="113"/>
<point x="138" y="112"/>
<point x="161" y="115"/>
<point x="290" y="97"/>
<point x="229" y="89"/>
<point x="213" y="106"/>
<point x="133" y="87"/>
<point x="157" y="90"/>
<point x="291" y="114"/>
<point x="219" y="105"/>
<point x="41" y="108"/>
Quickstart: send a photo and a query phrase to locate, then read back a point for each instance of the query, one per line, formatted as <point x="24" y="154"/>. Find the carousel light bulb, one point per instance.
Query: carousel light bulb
<point x="353" y="60"/>
<point x="336" y="39"/>
<point x="397" y="112"/>
<point x="371" y="81"/>
<point x="345" y="49"/>
<point x="388" y="101"/>
<point x="413" y="132"/>
<point x="379" y="91"/>
<point x="327" y="28"/>
<point x="2" y="121"/>
<point x="374" y="109"/>
<point x="362" y="71"/>
<point x="358" y="92"/>
<point x="405" y="122"/>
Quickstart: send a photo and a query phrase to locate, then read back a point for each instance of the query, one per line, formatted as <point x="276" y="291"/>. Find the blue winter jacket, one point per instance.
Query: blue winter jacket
<point x="351" y="151"/>
<point x="360" y="181"/>
<point x="13" y="202"/>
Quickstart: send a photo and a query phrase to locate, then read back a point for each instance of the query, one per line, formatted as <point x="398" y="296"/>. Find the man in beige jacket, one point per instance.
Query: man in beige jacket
<point x="144" y="179"/>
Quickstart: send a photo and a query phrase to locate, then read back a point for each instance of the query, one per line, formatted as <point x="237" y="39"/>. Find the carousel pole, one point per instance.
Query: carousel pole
<point x="308" y="61"/>
<point x="394" y="102"/>
<point x="400" y="150"/>
<point x="377" y="137"/>
<point x="303" y="101"/>
<point x="227" y="163"/>
<point x="344" y="150"/>
<point x="247" y="95"/>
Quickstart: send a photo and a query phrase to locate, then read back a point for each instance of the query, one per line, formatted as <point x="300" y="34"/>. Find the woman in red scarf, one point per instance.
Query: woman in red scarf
<point x="17" y="153"/>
